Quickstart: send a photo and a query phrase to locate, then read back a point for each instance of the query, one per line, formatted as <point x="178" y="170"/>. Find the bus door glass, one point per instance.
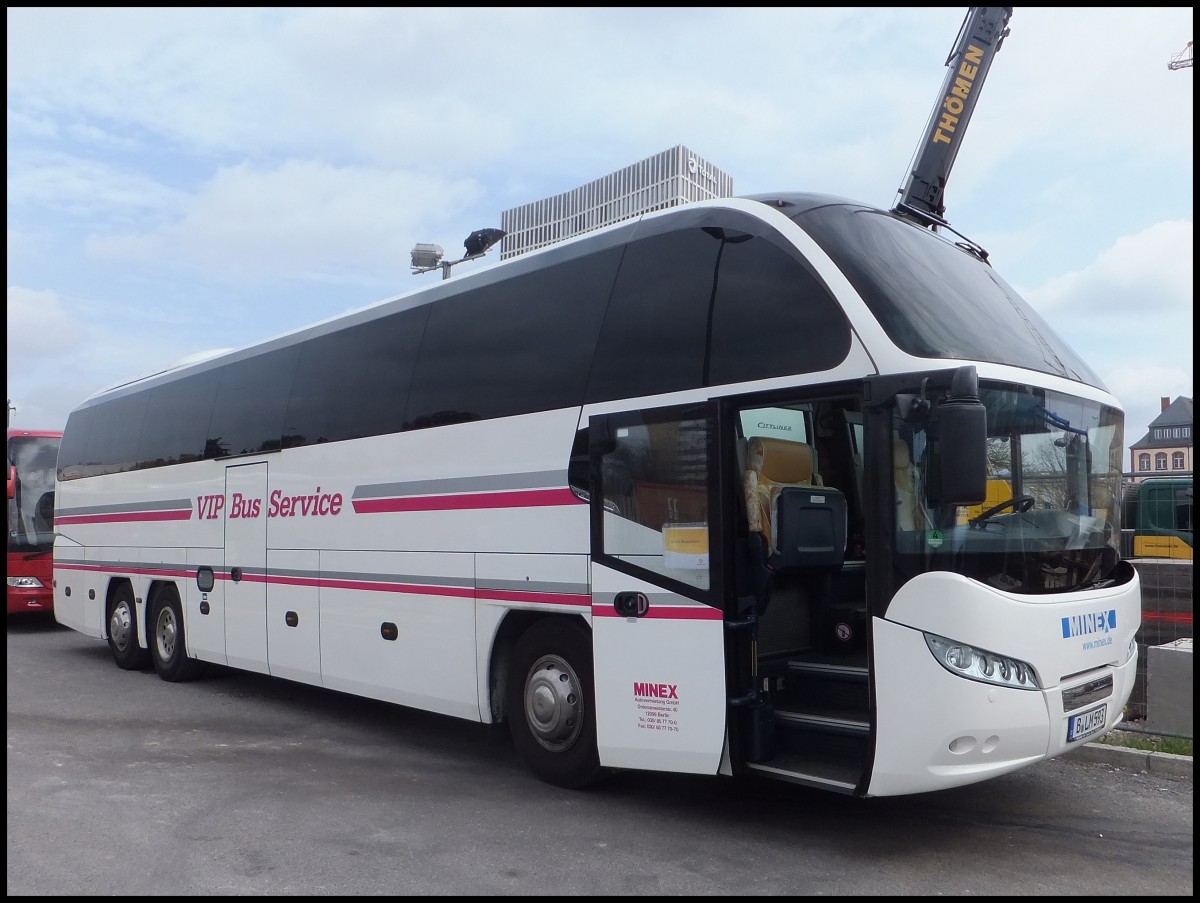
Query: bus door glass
<point x="656" y="602"/>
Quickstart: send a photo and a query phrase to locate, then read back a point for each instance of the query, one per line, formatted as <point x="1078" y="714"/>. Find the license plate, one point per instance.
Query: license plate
<point x="1086" y="723"/>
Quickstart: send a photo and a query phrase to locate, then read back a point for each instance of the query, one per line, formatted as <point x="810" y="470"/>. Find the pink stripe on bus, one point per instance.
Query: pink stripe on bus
<point x="501" y="595"/>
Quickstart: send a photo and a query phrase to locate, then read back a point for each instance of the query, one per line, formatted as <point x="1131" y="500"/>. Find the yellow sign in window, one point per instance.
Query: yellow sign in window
<point x="685" y="546"/>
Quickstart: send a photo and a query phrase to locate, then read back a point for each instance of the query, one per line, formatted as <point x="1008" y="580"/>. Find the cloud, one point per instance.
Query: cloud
<point x="1129" y="314"/>
<point x="1140" y="388"/>
<point x="44" y="341"/>
<point x="295" y="221"/>
<point x="39" y="328"/>
<point x="1146" y="273"/>
<point x="82" y="192"/>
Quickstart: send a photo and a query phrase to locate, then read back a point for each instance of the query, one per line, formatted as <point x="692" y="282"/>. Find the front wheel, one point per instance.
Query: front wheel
<point x="552" y="704"/>
<point x="168" y="644"/>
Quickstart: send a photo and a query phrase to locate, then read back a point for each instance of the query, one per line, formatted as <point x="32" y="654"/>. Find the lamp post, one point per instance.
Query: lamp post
<point x="426" y="257"/>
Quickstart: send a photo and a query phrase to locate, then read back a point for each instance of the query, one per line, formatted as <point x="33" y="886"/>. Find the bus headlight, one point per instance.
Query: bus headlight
<point x="24" y="583"/>
<point x="979" y="664"/>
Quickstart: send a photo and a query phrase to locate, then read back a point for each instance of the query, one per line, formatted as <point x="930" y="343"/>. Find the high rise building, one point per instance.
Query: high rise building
<point x="668" y="179"/>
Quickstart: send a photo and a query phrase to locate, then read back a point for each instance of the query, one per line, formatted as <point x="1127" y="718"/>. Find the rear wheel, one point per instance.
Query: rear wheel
<point x="168" y="644"/>
<point x="552" y="704"/>
<point x="122" y="631"/>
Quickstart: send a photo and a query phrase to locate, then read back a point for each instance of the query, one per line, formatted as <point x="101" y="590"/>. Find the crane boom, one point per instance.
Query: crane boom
<point x="1182" y="59"/>
<point x="983" y="31"/>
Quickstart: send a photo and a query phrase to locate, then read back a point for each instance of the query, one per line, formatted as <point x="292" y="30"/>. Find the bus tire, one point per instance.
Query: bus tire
<point x="123" y="631"/>
<point x="168" y="643"/>
<point x="551" y="704"/>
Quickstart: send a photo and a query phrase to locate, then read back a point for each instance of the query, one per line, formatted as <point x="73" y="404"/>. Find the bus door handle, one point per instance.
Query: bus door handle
<point x="631" y="605"/>
<point x="236" y="575"/>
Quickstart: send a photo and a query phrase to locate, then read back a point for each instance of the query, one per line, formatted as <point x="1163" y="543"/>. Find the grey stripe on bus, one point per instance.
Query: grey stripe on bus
<point x="533" y="586"/>
<point x="166" y="505"/>
<point x="547" y="479"/>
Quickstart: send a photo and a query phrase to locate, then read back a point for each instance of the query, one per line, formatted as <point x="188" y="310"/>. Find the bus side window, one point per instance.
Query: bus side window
<point x="1183" y="510"/>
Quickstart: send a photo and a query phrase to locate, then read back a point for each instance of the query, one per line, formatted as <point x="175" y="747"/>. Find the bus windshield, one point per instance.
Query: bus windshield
<point x="32" y="461"/>
<point x="1051" y="518"/>
<point x="936" y="299"/>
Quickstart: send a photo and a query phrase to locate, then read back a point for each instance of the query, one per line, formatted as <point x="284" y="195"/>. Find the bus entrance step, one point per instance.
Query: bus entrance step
<point x="829" y="670"/>
<point x="816" y="686"/>
<point x="827" y="774"/>
<point x="803" y="750"/>
<point x="846" y="723"/>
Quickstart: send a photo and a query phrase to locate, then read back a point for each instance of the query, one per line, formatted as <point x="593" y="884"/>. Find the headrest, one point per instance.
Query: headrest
<point x="781" y="460"/>
<point x="900" y="455"/>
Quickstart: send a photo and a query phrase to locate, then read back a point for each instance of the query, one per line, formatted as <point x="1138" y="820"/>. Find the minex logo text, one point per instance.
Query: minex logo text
<point x="655" y="691"/>
<point x="1092" y="622"/>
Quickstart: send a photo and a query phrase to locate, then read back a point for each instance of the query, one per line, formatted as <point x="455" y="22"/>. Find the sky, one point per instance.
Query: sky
<point x="186" y="180"/>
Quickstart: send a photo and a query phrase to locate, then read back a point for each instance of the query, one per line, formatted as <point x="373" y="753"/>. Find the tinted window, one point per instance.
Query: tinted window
<point x="772" y="316"/>
<point x="654" y="334"/>
<point x="177" y="420"/>
<point x="714" y="304"/>
<point x="936" y="300"/>
<point x="513" y="347"/>
<point x="72" y="451"/>
<point x="113" y="431"/>
<point x="355" y="382"/>
<point x="251" y="399"/>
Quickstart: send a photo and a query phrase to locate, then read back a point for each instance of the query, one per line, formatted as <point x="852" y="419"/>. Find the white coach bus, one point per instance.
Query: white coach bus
<point x="784" y="485"/>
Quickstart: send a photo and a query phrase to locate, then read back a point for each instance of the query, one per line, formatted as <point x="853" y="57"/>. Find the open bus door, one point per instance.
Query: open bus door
<point x="657" y="621"/>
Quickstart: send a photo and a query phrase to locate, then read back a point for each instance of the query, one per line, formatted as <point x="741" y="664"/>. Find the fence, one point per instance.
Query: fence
<point x="1166" y="617"/>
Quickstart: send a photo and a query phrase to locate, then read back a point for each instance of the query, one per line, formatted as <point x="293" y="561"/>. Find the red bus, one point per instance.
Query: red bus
<point x="32" y="471"/>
